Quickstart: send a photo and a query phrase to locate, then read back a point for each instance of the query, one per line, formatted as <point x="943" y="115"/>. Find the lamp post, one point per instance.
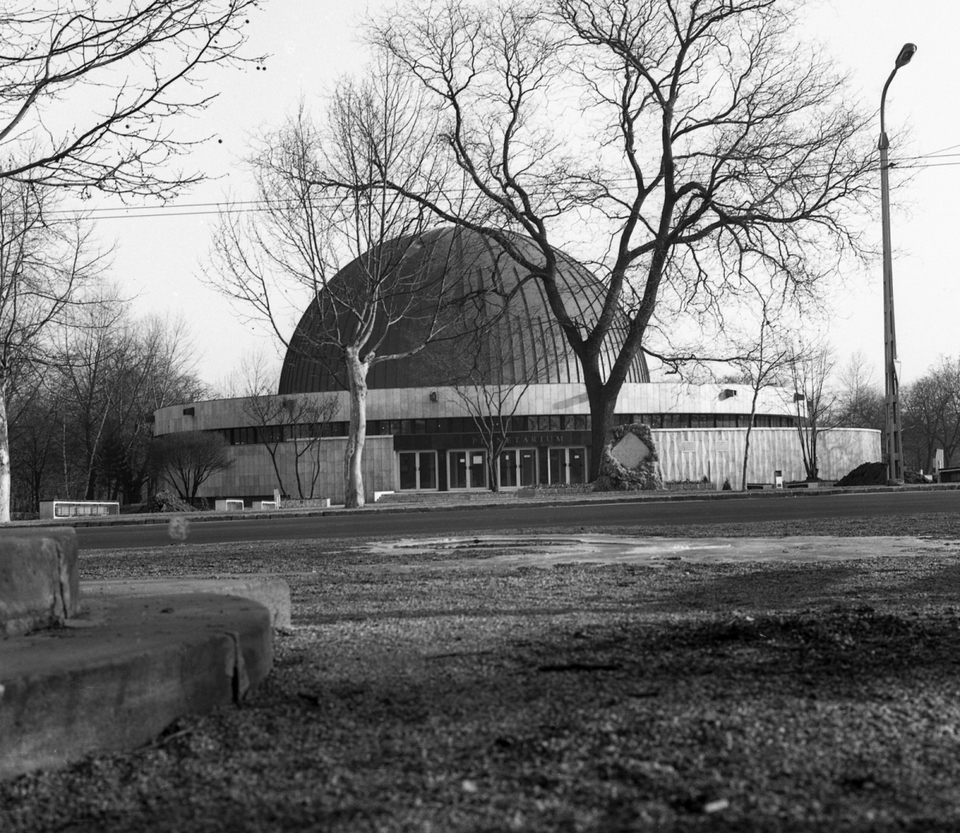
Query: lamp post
<point x="894" y="449"/>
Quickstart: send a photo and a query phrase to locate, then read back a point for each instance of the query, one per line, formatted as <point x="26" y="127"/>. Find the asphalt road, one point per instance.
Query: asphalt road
<point x="623" y="515"/>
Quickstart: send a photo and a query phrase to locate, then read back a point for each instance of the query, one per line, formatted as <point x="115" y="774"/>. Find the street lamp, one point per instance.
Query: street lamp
<point x="894" y="448"/>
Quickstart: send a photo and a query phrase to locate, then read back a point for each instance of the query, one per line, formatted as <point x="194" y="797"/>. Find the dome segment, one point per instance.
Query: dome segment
<point x="496" y="323"/>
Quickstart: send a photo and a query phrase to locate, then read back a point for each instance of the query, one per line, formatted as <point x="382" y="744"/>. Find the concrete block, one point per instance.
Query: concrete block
<point x="39" y="578"/>
<point x="272" y="593"/>
<point x="122" y="672"/>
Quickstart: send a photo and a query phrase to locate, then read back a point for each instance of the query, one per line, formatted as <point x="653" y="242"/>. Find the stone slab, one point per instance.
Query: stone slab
<point x="272" y="593"/>
<point x="630" y="451"/>
<point x="119" y="673"/>
<point x="39" y="578"/>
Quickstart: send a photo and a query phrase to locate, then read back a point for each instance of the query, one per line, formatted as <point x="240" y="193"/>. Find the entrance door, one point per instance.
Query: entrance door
<point x="418" y="470"/>
<point x="508" y="468"/>
<point x="577" y="465"/>
<point x="518" y="467"/>
<point x="467" y="469"/>
<point x="567" y="466"/>
<point x="528" y="467"/>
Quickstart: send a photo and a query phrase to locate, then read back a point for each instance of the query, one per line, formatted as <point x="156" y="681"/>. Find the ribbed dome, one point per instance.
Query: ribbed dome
<point x="498" y="324"/>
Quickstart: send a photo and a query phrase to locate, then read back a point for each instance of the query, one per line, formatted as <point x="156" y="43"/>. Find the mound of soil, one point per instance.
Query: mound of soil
<point x="867" y="474"/>
<point x="875" y="474"/>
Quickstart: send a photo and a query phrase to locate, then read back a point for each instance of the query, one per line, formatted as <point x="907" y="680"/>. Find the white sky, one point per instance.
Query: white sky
<point x="311" y="42"/>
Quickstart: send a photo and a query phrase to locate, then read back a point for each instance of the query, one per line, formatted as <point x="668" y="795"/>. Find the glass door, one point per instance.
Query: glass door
<point x="557" y="466"/>
<point x="528" y="467"/>
<point x="467" y="469"/>
<point x="418" y="470"/>
<point x="577" y="465"/>
<point x="518" y="467"/>
<point x="567" y="466"/>
<point x="508" y="469"/>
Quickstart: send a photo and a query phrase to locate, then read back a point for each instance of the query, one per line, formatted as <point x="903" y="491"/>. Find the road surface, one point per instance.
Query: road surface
<point x="616" y="516"/>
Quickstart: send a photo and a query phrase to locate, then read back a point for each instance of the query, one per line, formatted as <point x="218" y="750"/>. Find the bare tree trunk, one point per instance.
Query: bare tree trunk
<point x="602" y="407"/>
<point x="746" y="445"/>
<point x="4" y="455"/>
<point x="356" y="439"/>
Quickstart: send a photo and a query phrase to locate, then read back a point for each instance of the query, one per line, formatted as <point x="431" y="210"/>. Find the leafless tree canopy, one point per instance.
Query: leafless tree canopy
<point x="45" y="267"/>
<point x="322" y="215"/>
<point x="674" y="146"/>
<point x="931" y="414"/>
<point x="87" y="87"/>
<point x="188" y="459"/>
<point x="295" y="424"/>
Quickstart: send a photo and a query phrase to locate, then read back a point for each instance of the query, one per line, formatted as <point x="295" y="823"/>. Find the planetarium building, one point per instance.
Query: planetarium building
<point x="495" y="356"/>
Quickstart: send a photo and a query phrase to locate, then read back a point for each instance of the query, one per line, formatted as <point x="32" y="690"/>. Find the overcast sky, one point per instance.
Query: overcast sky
<point x="311" y="42"/>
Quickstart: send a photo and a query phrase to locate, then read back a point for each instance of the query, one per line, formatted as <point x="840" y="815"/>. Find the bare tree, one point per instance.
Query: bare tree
<point x="674" y="147"/>
<point x="860" y="401"/>
<point x="33" y="413"/>
<point x="484" y="375"/>
<point x="148" y="365"/>
<point x="765" y="363"/>
<point x="932" y="413"/>
<point x="186" y="460"/>
<point x="87" y="87"/>
<point x="319" y="217"/>
<point x="811" y="367"/>
<point x="45" y="266"/>
<point x="294" y="423"/>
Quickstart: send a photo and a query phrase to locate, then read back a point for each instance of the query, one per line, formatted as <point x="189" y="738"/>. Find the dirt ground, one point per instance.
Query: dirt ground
<point x="427" y="690"/>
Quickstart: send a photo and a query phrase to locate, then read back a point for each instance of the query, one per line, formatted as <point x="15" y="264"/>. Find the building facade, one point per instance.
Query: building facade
<point x="425" y="439"/>
<point x="501" y="360"/>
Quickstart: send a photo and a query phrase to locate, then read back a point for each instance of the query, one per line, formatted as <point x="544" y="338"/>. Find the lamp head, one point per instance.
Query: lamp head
<point x="908" y="51"/>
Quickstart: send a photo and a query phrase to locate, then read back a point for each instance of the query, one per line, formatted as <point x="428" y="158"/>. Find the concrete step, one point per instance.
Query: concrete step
<point x="272" y="593"/>
<point x="446" y="497"/>
<point x="116" y="675"/>
<point x="106" y="666"/>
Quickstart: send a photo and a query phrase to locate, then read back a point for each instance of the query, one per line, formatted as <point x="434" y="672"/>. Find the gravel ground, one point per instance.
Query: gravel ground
<point x="570" y="698"/>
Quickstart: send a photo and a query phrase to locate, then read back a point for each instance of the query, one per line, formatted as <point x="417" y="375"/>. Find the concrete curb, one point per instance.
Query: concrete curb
<point x="447" y="506"/>
<point x="117" y="675"/>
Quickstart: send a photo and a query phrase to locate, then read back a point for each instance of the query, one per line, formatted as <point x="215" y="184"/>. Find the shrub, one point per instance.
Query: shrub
<point x="164" y="501"/>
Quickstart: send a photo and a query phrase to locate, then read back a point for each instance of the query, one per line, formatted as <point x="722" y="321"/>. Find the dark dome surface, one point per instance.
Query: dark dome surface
<point x="498" y="324"/>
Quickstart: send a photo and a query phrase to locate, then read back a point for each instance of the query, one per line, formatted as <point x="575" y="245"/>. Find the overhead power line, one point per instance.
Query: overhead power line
<point x="938" y="159"/>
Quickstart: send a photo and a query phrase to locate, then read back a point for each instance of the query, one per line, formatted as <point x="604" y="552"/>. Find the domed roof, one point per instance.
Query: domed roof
<point x="495" y="322"/>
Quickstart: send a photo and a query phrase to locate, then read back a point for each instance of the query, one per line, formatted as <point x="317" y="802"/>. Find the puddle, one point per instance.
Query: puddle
<point x="493" y="550"/>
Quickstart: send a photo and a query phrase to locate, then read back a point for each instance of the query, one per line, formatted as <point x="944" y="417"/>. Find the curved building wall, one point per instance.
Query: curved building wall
<point x="717" y="454"/>
<point x="655" y="398"/>
<point x="435" y="424"/>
